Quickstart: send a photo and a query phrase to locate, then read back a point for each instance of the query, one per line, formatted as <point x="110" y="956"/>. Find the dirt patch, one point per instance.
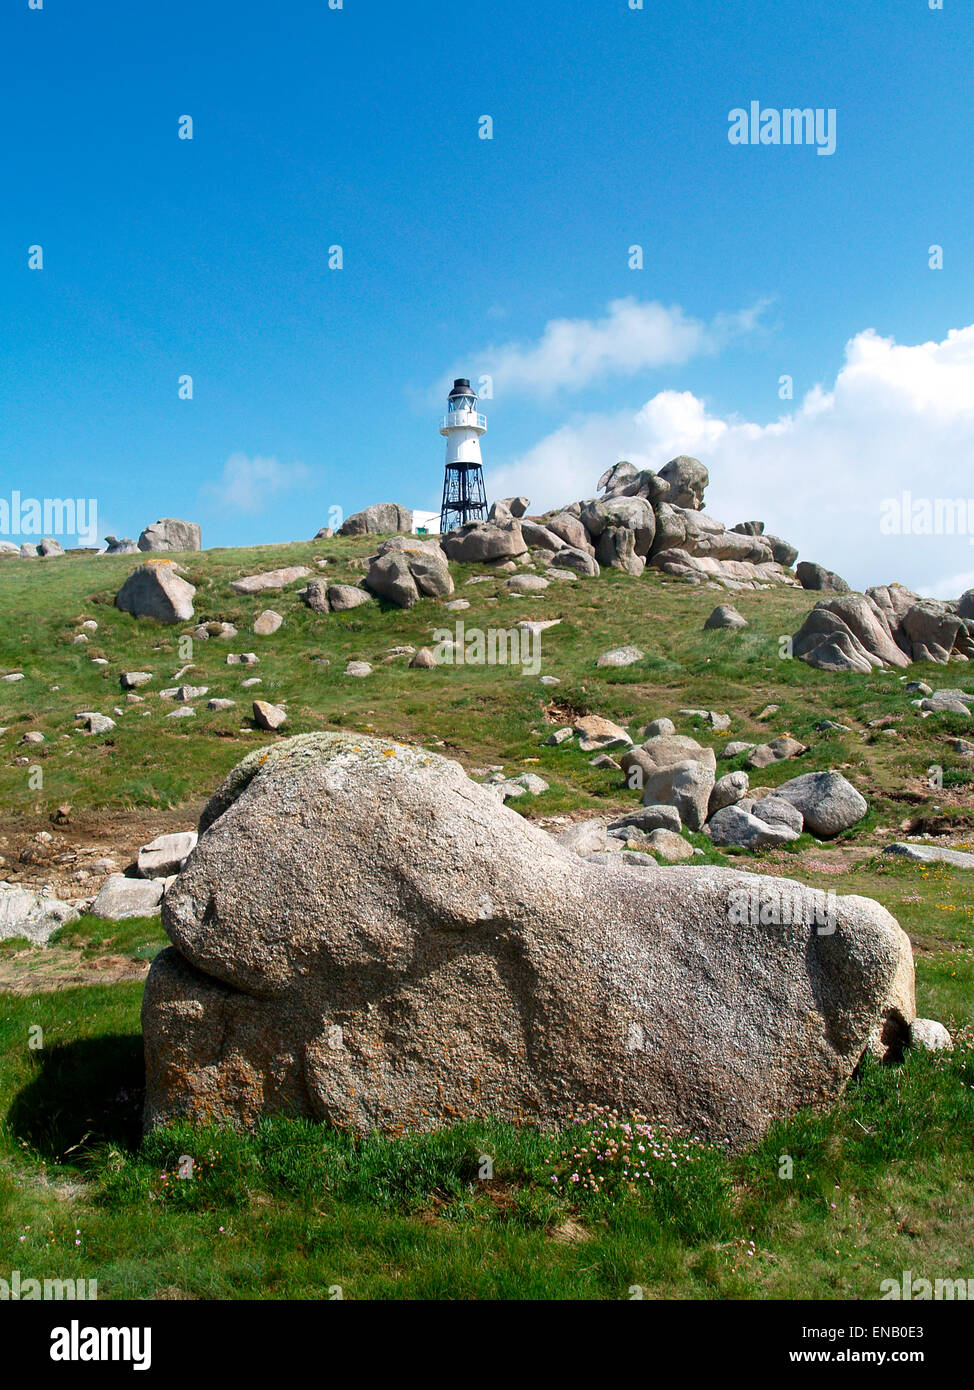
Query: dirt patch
<point x="39" y="971"/>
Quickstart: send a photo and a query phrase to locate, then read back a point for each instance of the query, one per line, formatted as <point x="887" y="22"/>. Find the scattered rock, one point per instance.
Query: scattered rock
<point x="358" y="668"/>
<point x="267" y="622"/>
<point x="621" y="656"/>
<point x="828" y="803"/>
<point x="930" y="1036"/>
<point x="96" y="723"/>
<point x="122" y="897"/>
<point x="270" y="579"/>
<point x="423" y="659"/>
<point x="155" y="590"/>
<point x="724" y="616"/>
<point x="131" y="680"/>
<point x="166" y="854"/>
<point x="596" y="733"/>
<point x="931" y="854"/>
<point x="28" y="914"/>
<point x="267" y="716"/>
<point x="777" y="751"/>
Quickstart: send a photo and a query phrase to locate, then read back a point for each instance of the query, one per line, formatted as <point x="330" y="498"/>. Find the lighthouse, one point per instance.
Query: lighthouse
<point x="464" y="497"/>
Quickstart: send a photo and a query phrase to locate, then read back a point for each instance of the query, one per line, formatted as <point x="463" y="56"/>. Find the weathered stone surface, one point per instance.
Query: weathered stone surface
<point x="406" y="570"/>
<point x="570" y="531"/>
<point x="155" y="590"/>
<point x="170" y="534"/>
<point x="828" y="803"/>
<point x="724" y="616"/>
<point x="578" y="561"/>
<point x="484" y="540"/>
<point x="50" y="547"/>
<point x="646" y="819"/>
<point x="131" y="680"/>
<point x="125" y="546"/>
<point x="621" y="656"/>
<point x="812" y="576"/>
<point x="382" y="518"/>
<point x="931" y="854"/>
<point x="621" y="513"/>
<point x="728" y="790"/>
<point x="122" y="897"/>
<point x="270" y="579"/>
<point x="23" y="913"/>
<point x="687" y="479"/>
<point x="526" y="584"/>
<point x="314" y="595"/>
<point x="734" y="826"/>
<point x="657" y="727"/>
<point x="685" y="785"/>
<point x="585" y="837"/>
<point x="267" y="622"/>
<point x="776" y="751"/>
<point x="482" y="969"/>
<point x="389" y="577"/>
<point x="670" y="846"/>
<point x="596" y="733"/>
<point x="775" y="810"/>
<point x="423" y="659"/>
<point x="166" y="854"/>
<point x="929" y="1035"/>
<point x="268" y="716"/>
<point x="95" y="723"/>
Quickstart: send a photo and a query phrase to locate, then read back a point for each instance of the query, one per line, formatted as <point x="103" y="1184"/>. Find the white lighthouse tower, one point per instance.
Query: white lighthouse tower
<point x="464" y="496"/>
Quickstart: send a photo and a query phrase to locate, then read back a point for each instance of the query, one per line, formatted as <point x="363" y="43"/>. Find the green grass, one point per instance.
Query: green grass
<point x="878" y="1183"/>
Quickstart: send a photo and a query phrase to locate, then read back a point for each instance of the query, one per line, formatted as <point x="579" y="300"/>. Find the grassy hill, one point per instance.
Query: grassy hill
<point x="293" y="1211"/>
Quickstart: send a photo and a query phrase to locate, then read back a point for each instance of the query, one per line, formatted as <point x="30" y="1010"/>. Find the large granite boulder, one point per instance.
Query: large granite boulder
<point x="155" y="590"/>
<point x="408" y="569"/>
<point x="364" y="936"/>
<point x="381" y="519"/>
<point x="485" y="540"/>
<point x="828" y="802"/>
<point x="687" y="478"/>
<point x="887" y="626"/>
<point x="170" y="534"/>
<point x="812" y="576"/>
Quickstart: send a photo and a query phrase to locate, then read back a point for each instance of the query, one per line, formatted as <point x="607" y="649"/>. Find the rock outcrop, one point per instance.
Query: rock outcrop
<point x="155" y="590"/>
<point x="170" y="534"/>
<point x="469" y="965"/>
<point x="886" y="626"/>
<point x="381" y="519"/>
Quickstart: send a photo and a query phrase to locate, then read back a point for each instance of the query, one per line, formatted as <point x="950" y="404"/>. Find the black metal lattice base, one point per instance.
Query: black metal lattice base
<point x="464" y="496"/>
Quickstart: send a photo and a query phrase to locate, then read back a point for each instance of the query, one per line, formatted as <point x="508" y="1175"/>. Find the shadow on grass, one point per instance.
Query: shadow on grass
<point x="83" y="1094"/>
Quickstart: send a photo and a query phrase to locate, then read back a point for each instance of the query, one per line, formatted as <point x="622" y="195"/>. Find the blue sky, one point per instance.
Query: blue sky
<point x="318" y="388"/>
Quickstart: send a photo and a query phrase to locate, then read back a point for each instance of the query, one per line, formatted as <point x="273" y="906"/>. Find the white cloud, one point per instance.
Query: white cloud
<point x="899" y="418"/>
<point x="633" y="336"/>
<point x="247" y="484"/>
